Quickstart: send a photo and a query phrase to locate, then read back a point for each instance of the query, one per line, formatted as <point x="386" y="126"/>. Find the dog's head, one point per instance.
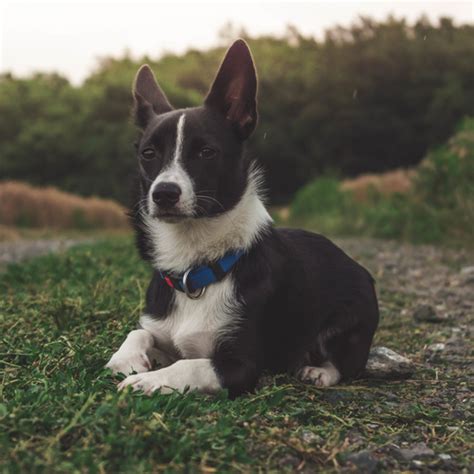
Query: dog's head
<point x="191" y="161"/>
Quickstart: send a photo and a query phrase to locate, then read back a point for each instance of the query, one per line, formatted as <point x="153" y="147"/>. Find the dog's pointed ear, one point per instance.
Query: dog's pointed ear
<point x="234" y="91"/>
<point x="150" y="100"/>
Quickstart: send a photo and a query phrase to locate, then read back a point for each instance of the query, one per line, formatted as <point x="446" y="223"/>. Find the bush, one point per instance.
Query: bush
<point x="438" y="206"/>
<point x="446" y="178"/>
<point x="365" y="99"/>
<point x="322" y="196"/>
<point x="398" y="217"/>
<point x="323" y="205"/>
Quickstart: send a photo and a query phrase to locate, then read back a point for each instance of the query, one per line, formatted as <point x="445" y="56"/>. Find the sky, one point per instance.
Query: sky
<point x="69" y="36"/>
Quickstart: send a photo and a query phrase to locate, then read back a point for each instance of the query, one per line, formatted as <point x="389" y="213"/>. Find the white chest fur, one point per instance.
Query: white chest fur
<point x="193" y="326"/>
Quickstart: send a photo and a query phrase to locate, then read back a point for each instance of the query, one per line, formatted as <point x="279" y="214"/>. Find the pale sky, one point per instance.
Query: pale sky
<point x="69" y="36"/>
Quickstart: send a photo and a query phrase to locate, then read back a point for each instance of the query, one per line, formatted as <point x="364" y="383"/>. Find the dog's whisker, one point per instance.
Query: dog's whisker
<point x="140" y="204"/>
<point x="210" y="199"/>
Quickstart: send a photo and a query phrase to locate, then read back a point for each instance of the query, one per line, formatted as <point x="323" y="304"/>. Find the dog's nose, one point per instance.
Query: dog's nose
<point x="166" y="194"/>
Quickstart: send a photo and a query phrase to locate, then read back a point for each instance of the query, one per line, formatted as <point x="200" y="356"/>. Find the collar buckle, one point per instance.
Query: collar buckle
<point x="194" y="295"/>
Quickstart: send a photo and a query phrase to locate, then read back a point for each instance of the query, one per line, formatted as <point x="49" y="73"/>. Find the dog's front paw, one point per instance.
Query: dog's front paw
<point x="147" y="382"/>
<point x="320" y="376"/>
<point x="129" y="362"/>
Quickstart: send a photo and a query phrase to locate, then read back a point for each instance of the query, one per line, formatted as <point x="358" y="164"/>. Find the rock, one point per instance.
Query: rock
<point x="437" y="347"/>
<point x="311" y="438"/>
<point x="469" y="270"/>
<point x="356" y="439"/>
<point x="426" y="313"/>
<point x="467" y="275"/>
<point x="416" y="451"/>
<point x="387" y="364"/>
<point x="289" y="461"/>
<point x="444" y="457"/>
<point x="363" y="461"/>
<point x="333" y="396"/>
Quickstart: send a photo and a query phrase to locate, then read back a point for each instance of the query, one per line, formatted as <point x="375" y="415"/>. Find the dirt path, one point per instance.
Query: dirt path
<point x="426" y="297"/>
<point x="434" y="276"/>
<point x="19" y="250"/>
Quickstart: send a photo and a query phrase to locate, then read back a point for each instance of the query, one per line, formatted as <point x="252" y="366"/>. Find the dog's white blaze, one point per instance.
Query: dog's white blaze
<point x="175" y="173"/>
<point x="193" y="326"/>
<point x="197" y="374"/>
<point x="178" y="246"/>
<point x="179" y="139"/>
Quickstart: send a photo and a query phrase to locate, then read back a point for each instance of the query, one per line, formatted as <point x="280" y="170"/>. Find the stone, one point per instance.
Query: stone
<point x="437" y="347"/>
<point x="426" y="313"/>
<point x="416" y="451"/>
<point x="469" y="270"/>
<point x="311" y="438"/>
<point x="363" y="461"/>
<point x="289" y="461"/>
<point x="384" y="363"/>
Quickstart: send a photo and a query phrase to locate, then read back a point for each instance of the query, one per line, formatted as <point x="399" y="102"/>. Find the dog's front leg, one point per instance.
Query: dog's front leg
<point x="197" y="374"/>
<point x="136" y="354"/>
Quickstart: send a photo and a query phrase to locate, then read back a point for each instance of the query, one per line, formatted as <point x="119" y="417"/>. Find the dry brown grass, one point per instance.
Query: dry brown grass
<point x="8" y="233"/>
<point x="24" y="205"/>
<point x="397" y="181"/>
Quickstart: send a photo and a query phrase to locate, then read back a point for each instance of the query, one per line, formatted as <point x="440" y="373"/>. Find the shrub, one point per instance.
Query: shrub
<point x="322" y="196"/>
<point x="436" y="205"/>
<point x="446" y="177"/>
<point x="398" y="217"/>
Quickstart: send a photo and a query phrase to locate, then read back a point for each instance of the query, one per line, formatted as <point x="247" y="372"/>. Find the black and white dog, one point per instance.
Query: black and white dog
<point x="231" y="296"/>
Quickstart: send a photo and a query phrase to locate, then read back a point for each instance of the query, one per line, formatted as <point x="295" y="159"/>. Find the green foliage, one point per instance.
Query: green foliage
<point x="367" y="98"/>
<point x="321" y="196"/>
<point x="447" y="177"/>
<point x="440" y="206"/>
<point x="401" y="218"/>
<point x="61" y="318"/>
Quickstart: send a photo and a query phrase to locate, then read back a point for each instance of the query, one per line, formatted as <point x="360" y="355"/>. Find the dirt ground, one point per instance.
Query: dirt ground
<point x="429" y="293"/>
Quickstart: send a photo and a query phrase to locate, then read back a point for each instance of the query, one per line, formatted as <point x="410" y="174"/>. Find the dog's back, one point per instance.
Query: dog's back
<point x="318" y="302"/>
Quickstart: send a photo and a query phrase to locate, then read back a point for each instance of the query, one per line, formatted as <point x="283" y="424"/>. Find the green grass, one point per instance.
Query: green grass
<point x="63" y="316"/>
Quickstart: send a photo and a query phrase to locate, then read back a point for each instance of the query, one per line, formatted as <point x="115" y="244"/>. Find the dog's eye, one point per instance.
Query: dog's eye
<point x="207" y="153"/>
<point x="148" y="154"/>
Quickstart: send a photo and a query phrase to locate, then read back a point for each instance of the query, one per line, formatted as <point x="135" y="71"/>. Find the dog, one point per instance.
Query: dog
<point x="231" y="296"/>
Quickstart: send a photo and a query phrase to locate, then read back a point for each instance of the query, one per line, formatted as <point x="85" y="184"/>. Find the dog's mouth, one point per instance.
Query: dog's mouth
<point x="175" y="214"/>
<point x="170" y="216"/>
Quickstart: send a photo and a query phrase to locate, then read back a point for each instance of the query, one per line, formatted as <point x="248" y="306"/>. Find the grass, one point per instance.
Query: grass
<point x="61" y="318"/>
<point x="13" y="234"/>
<point x="390" y="182"/>
<point x="23" y="205"/>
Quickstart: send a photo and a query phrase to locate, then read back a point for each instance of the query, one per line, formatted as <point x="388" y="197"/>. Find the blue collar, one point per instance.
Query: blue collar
<point x="194" y="281"/>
